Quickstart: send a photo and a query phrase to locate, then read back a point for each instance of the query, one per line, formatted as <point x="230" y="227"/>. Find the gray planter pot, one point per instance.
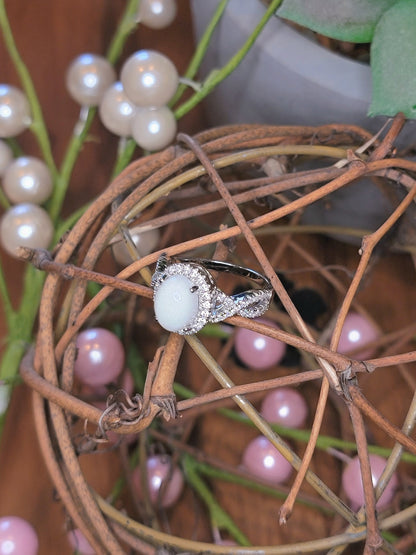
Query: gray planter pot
<point x="286" y="79"/>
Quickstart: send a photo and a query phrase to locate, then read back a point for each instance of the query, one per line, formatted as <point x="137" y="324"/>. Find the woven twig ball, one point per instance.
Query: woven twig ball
<point x="241" y="195"/>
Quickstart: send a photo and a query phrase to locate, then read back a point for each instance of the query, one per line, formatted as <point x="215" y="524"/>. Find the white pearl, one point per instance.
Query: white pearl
<point x="6" y="156"/>
<point x="27" y="179"/>
<point x="145" y="243"/>
<point x="14" y="111"/>
<point x="149" y="78"/>
<point x="25" y="225"/>
<point x="116" y="110"/>
<point x="88" y="77"/>
<point x="153" y="128"/>
<point x="175" y="305"/>
<point x="157" y="14"/>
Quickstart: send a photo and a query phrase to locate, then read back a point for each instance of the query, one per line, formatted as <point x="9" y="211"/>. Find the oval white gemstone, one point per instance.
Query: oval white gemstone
<point x="175" y="305"/>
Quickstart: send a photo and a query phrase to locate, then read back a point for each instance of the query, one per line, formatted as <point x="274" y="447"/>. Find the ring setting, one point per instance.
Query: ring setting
<point x="186" y="297"/>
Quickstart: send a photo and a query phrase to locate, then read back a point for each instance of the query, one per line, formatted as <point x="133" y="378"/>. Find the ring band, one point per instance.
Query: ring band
<point x="186" y="298"/>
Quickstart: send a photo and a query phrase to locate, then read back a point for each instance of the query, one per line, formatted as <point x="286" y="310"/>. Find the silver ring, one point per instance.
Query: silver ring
<point x="186" y="298"/>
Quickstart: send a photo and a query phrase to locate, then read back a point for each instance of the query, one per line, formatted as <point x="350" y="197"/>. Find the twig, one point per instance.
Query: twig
<point x="42" y="260"/>
<point x="287" y="507"/>
<point x="373" y="539"/>
<point x="361" y="402"/>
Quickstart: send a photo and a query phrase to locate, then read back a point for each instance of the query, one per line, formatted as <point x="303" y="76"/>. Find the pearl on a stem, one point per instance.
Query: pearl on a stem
<point x="263" y="460"/>
<point x="353" y="484"/>
<point x="100" y="357"/>
<point x="153" y="128"/>
<point x="79" y="542"/>
<point x="356" y="332"/>
<point x="145" y="242"/>
<point x="116" y="110"/>
<point x="149" y="78"/>
<point x="14" y="111"/>
<point x="25" y="225"/>
<point x="27" y="179"/>
<point x="157" y="14"/>
<point x="17" y="537"/>
<point x="160" y="469"/>
<point x="285" y="406"/>
<point x="88" y="77"/>
<point x="256" y="350"/>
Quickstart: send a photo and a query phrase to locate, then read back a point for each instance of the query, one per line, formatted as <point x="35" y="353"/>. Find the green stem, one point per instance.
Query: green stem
<point x="15" y="146"/>
<point x="200" y="50"/>
<point x="220" y="474"/>
<point x="32" y="290"/>
<point x="124" y="156"/>
<point x="12" y="355"/>
<point x="20" y="322"/>
<point x="74" y="147"/>
<point x="127" y="24"/>
<point x="38" y="125"/>
<point x="219" y="518"/>
<point x="217" y="76"/>
<point x="20" y="330"/>
<point x="124" y="28"/>
<point x="5" y="297"/>
<point x="4" y="201"/>
<point x="122" y="161"/>
<point x="324" y="442"/>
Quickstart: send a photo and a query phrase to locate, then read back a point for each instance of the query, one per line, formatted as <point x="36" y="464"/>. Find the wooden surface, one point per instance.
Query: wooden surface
<point x="49" y="35"/>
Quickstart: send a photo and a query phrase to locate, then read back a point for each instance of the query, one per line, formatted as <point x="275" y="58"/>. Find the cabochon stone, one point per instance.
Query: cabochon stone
<point x="174" y="303"/>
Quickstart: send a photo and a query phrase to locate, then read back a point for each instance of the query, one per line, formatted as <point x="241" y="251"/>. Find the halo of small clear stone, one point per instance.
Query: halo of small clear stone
<point x="199" y="278"/>
<point x="213" y="304"/>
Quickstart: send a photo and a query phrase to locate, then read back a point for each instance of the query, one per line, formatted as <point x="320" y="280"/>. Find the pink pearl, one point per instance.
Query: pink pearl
<point x="159" y="469"/>
<point x="100" y="357"/>
<point x="17" y="537"/>
<point x="258" y="351"/>
<point x="353" y="485"/>
<point x="356" y="332"/>
<point x="79" y="542"/>
<point x="285" y="406"/>
<point x="263" y="460"/>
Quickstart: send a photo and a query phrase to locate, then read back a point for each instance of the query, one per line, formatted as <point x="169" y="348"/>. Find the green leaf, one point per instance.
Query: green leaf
<point x="393" y="62"/>
<point x="349" y="20"/>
